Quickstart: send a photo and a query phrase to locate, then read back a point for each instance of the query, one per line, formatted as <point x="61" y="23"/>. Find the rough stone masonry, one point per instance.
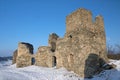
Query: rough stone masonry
<point x="82" y="49"/>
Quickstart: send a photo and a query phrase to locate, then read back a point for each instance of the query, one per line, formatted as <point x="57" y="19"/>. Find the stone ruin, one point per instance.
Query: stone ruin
<point x="82" y="49"/>
<point x="14" y="57"/>
<point x="24" y="54"/>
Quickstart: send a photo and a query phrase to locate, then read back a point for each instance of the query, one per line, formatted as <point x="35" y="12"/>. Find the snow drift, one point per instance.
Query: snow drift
<point x="10" y="72"/>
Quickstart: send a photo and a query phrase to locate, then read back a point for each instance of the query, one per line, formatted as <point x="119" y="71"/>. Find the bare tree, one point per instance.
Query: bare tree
<point x="113" y="51"/>
<point x="110" y="49"/>
<point x="118" y="48"/>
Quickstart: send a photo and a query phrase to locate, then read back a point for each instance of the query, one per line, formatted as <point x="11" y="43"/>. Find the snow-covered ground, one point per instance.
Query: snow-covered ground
<point x="10" y="72"/>
<point x="5" y="63"/>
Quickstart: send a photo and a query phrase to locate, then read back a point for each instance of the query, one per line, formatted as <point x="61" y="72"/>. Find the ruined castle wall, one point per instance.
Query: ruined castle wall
<point x="81" y="16"/>
<point x="41" y="56"/>
<point x="99" y="22"/>
<point x="72" y="53"/>
<point x="44" y="57"/>
<point x="52" y="41"/>
<point x="83" y="40"/>
<point x="24" y="60"/>
<point x="82" y="49"/>
<point x="100" y="35"/>
<point x="24" y="48"/>
<point x="24" y="57"/>
<point x="14" y="57"/>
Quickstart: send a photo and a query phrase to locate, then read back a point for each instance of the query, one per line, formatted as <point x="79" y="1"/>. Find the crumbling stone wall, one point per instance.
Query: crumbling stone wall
<point x="24" y="60"/>
<point x="14" y="57"/>
<point x="52" y="41"/>
<point x="77" y="18"/>
<point x="24" y="48"/>
<point x="44" y="57"/>
<point x="25" y="51"/>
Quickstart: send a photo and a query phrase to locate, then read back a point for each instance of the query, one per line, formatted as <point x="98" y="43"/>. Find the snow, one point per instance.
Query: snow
<point x="5" y="63"/>
<point x="10" y="72"/>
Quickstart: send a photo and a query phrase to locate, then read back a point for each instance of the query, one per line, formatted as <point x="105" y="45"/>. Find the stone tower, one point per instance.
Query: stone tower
<point x="83" y="48"/>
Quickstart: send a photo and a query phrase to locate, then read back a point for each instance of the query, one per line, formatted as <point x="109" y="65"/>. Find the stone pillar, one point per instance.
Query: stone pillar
<point x="25" y="51"/>
<point x="52" y="41"/>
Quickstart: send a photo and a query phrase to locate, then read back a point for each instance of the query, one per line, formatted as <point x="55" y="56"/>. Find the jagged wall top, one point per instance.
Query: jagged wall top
<point x="24" y="48"/>
<point x="82" y="17"/>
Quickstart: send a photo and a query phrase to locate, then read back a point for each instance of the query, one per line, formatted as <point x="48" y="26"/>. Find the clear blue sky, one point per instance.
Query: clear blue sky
<point x="33" y="20"/>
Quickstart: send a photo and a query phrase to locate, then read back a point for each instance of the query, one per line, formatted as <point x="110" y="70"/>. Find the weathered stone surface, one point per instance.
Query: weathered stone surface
<point x="14" y="57"/>
<point x="24" y="48"/>
<point x="52" y="41"/>
<point x="83" y="38"/>
<point x="25" y="51"/>
<point x="45" y="57"/>
<point x="24" y="60"/>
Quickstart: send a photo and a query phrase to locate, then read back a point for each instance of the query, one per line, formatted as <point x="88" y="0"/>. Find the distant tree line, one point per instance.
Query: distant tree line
<point x="113" y="51"/>
<point x="5" y="58"/>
